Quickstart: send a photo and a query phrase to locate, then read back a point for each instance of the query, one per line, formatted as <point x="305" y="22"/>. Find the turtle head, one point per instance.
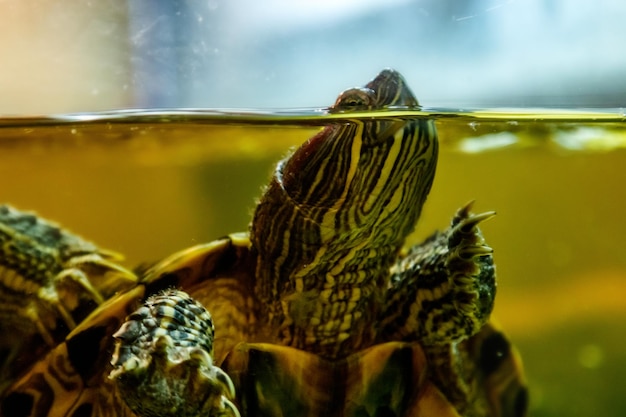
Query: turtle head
<point x="388" y="89"/>
<point x="361" y="180"/>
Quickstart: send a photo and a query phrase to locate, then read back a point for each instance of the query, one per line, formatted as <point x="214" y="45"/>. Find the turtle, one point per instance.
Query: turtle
<point x="319" y="309"/>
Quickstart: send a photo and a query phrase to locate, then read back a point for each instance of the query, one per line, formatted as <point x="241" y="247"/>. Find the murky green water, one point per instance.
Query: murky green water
<point x="148" y="184"/>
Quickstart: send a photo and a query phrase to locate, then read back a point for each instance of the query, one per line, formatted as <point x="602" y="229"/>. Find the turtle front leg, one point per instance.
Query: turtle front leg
<point x="443" y="290"/>
<point x="51" y="279"/>
<point x="163" y="361"/>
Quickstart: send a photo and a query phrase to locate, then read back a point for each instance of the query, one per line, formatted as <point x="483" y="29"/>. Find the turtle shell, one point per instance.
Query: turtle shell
<point x="389" y="379"/>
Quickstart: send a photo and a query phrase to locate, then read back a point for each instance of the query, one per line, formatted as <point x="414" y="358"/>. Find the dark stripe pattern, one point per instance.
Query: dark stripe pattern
<point x="334" y="216"/>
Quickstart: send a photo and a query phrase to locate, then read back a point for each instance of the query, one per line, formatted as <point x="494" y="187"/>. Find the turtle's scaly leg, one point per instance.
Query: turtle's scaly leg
<point x="49" y="276"/>
<point x="163" y="360"/>
<point x="443" y="290"/>
<point x="50" y="280"/>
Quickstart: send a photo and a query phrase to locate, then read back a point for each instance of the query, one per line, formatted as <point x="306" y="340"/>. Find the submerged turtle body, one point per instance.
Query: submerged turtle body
<point x="318" y="311"/>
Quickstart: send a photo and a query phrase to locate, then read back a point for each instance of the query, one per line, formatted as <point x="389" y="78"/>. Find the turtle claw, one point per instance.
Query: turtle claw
<point x="472" y="220"/>
<point x="472" y="251"/>
<point x="163" y="361"/>
<point x="225" y="382"/>
<point x="465" y="224"/>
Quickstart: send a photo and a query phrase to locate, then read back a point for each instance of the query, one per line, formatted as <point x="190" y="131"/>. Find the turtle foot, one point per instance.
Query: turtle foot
<point x="471" y="271"/>
<point x="443" y="290"/>
<point x="163" y="362"/>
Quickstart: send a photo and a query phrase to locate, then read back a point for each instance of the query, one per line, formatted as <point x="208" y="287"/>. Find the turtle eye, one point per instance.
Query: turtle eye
<point x="494" y="350"/>
<point x="354" y="99"/>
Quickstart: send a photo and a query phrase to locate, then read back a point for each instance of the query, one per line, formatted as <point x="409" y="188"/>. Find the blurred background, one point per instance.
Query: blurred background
<point x="81" y="55"/>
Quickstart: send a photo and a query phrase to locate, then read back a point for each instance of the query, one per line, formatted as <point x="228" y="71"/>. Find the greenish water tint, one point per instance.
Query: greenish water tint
<point x="148" y="183"/>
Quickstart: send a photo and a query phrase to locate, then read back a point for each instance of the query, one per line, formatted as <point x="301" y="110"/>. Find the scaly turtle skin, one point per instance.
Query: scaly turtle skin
<point x="49" y="281"/>
<point x="318" y="311"/>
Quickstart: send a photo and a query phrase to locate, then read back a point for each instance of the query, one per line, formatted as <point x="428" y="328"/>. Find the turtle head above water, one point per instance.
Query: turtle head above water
<point x="388" y="89"/>
<point x="364" y="175"/>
